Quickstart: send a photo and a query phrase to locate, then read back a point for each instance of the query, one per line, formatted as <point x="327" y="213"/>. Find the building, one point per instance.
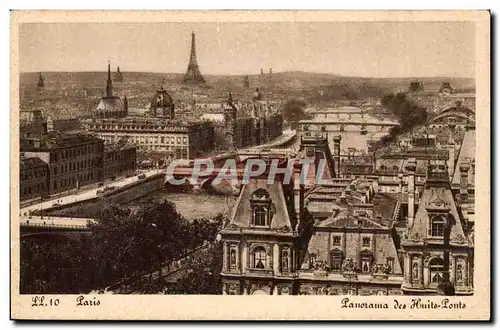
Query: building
<point x="180" y="138"/>
<point x="236" y="129"/>
<point x="435" y="230"/>
<point x="40" y="84"/>
<point x="416" y="86"/>
<point x="74" y="160"/>
<point x="345" y="236"/>
<point x="119" y="160"/>
<point x="446" y="88"/>
<point x="457" y="116"/>
<point x="33" y="177"/>
<point x="463" y="179"/>
<point x="31" y="123"/>
<point x="111" y="106"/>
<point x="66" y="125"/>
<point x="162" y="105"/>
<point x="261" y="242"/>
<point x="356" y="164"/>
<point x="118" y="75"/>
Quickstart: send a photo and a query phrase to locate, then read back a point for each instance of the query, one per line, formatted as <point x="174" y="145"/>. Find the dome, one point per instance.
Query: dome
<point x="161" y="100"/>
<point x="257" y="95"/>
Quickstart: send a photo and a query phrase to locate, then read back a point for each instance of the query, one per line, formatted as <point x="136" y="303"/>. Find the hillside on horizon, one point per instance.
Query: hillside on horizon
<point x="315" y="88"/>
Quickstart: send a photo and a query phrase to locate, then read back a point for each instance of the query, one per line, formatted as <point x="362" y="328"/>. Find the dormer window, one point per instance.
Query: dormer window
<point x="260" y="216"/>
<point x="437" y="226"/>
<point x="260" y="194"/>
<point x="261" y="208"/>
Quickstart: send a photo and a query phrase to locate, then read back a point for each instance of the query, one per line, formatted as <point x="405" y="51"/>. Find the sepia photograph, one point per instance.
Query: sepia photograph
<point x="183" y="153"/>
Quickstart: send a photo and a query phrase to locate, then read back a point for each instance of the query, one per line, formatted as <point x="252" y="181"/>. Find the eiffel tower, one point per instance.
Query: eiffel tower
<point x="193" y="75"/>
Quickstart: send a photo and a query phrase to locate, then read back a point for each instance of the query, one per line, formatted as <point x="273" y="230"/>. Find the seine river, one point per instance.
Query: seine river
<point x="194" y="205"/>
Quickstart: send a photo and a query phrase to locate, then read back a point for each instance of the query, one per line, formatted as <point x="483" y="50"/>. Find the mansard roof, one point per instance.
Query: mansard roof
<point x="432" y="200"/>
<point x="466" y="154"/>
<point x="281" y="212"/>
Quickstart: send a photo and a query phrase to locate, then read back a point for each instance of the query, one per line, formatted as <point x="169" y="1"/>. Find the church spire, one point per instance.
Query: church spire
<point x="109" y="83"/>
<point x="40" y="83"/>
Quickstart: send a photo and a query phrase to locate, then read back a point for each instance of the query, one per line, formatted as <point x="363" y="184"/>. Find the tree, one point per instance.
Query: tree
<point x="124" y="244"/>
<point x="293" y="111"/>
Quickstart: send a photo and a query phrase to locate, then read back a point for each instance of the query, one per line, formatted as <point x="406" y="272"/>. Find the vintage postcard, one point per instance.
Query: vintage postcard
<point x="301" y="165"/>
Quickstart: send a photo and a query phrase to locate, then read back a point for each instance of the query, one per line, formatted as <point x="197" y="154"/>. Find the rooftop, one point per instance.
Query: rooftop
<point x="31" y="162"/>
<point x="56" y="140"/>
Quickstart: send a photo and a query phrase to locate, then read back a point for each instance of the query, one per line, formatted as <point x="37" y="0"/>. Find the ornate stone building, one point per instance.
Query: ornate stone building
<point x="261" y="242"/>
<point x="234" y="129"/>
<point x="162" y="105"/>
<point x="111" y="106"/>
<point x="424" y="241"/>
<point x="346" y="235"/>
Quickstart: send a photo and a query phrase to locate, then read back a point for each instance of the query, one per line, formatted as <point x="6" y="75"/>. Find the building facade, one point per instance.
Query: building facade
<point x="73" y="160"/>
<point x="348" y="235"/>
<point x="33" y="177"/>
<point x="119" y="160"/>
<point x="111" y="106"/>
<point x="235" y="129"/>
<point x="183" y="140"/>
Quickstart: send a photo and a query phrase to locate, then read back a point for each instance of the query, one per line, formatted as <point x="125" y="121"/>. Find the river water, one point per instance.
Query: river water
<point x="194" y="205"/>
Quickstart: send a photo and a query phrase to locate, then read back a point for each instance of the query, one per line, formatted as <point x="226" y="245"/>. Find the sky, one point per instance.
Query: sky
<point x="365" y="49"/>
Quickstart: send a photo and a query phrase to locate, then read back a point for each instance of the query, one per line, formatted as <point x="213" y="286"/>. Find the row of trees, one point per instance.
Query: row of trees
<point x="123" y="243"/>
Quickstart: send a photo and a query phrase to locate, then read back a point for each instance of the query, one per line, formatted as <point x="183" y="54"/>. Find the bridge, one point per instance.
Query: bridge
<point x="42" y="227"/>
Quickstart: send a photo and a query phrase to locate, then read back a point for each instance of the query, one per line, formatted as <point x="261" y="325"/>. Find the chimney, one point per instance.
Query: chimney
<point x="464" y="173"/>
<point x="336" y="154"/>
<point x="356" y="222"/>
<point x="375" y="185"/>
<point x="451" y="160"/>
<point x="473" y="176"/>
<point x="411" y="166"/>
<point x="36" y="143"/>
<point x="400" y="179"/>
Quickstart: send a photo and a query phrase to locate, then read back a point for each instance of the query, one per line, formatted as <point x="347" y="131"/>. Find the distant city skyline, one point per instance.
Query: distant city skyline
<point x="360" y="49"/>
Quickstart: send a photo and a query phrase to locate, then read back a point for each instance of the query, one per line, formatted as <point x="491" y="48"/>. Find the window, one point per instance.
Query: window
<point x="366" y="241"/>
<point x="259" y="259"/>
<point x="437" y="227"/>
<point x="336" y="240"/>
<point x="436" y="267"/>
<point x="312" y="259"/>
<point x="365" y="265"/>
<point x="260" y="194"/>
<point x="336" y="262"/>
<point x="260" y="216"/>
